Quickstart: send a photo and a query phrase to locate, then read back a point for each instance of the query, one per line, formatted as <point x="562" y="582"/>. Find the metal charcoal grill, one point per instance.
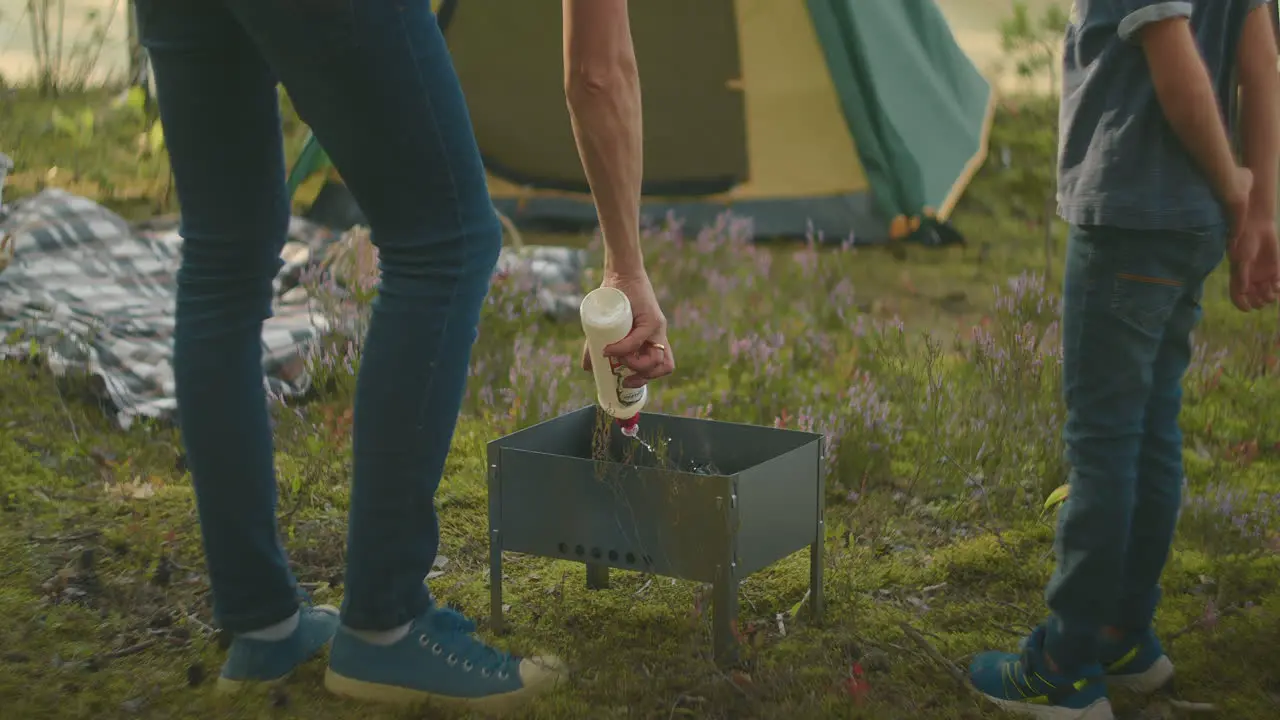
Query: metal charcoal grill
<point x="717" y="502"/>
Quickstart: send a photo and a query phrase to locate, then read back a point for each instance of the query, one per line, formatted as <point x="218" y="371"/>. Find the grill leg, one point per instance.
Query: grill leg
<point x="817" y="601"/>
<point x="724" y="621"/>
<point x="597" y="577"/>
<point x="495" y="582"/>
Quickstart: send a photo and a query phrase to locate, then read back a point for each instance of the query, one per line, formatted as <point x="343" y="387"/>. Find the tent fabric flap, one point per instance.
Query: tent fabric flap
<point x="920" y="110"/>
<point x="839" y="118"/>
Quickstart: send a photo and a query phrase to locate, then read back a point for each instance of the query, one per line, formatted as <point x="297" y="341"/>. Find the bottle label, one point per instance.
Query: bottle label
<point x="626" y="395"/>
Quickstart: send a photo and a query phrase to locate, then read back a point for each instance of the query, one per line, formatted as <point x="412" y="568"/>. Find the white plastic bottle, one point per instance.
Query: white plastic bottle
<point x="606" y="319"/>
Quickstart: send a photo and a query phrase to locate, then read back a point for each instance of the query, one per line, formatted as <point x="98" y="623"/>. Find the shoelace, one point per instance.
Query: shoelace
<point x="1031" y="647"/>
<point x="453" y="631"/>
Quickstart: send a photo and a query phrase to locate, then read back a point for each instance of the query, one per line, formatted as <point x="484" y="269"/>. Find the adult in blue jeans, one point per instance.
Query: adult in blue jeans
<point x="375" y="83"/>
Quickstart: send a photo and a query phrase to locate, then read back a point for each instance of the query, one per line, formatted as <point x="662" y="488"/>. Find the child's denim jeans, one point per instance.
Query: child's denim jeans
<point x="1130" y="302"/>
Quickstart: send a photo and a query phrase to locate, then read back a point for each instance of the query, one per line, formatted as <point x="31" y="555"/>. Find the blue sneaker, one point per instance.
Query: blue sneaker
<point x="1137" y="663"/>
<point x="266" y="662"/>
<point x="439" y="661"/>
<point x="1023" y="684"/>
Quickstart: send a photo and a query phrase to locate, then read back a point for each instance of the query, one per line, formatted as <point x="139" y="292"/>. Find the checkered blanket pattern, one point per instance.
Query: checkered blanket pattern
<point x="97" y="295"/>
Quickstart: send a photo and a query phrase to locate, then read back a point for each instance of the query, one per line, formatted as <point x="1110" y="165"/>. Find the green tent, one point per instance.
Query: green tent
<point x="846" y="118"/>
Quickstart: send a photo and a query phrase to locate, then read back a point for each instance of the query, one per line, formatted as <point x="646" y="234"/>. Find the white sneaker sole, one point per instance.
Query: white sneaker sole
<point x="1100" y="710"/>
<point x="538" y="675"/>
<point x="1146" y="682"/>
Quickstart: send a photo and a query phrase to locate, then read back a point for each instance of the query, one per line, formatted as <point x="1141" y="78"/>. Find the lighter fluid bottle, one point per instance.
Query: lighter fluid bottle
<point x="606" y="319"/>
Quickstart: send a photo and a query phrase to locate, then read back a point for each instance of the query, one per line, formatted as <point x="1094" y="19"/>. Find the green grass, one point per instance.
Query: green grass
<point x="104" y="603"/>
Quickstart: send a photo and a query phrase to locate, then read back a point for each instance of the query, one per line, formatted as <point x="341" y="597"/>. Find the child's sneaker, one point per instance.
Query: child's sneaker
<point x="438" y="661"/>
<point x="266" y="662"/>
<point x="1023" y="684"/>
<point x="1137" y="663"/>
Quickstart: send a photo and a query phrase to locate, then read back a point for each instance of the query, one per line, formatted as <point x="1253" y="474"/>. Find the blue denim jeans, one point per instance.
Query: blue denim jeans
<point x="1130" y="302"/>
<point x="375" y="82"/>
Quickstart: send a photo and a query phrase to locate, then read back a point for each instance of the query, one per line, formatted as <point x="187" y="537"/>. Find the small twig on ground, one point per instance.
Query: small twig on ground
<point x="802" y="604"/>
<point x="131" y="650"/>
<point x="675" y="706"/>
<point x="1204" y="621"/>
<point x="1009" y="629"/>
<point x="47" y="494"/>
<point x="1192" y="707"/>
<point x="927" y="634"/>
<point x="75" y="434"/>
<point x="1019" y="608"/>
<point x="207" y="629"/>
<point x="681" y="698"/>
<point x="70" y="537"/>
<point x="933" y="653"/>
<point x="733" y="684"/>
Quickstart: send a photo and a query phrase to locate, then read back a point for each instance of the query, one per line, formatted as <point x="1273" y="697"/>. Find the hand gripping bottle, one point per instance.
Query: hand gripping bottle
<point x="606" y="319"/>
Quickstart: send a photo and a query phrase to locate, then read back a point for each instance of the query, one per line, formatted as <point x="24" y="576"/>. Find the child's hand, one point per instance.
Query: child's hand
<point x="1255" y="264"/>
<point x="1236" y="202"/>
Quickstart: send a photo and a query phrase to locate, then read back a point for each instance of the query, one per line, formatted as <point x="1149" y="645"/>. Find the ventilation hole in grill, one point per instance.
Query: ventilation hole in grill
<point x="595" y="553"/>
<point x="579" y="551"/>
<point x="613" y="556"/>
<point x="564" y="548"/>
<point x="631" y="558"/>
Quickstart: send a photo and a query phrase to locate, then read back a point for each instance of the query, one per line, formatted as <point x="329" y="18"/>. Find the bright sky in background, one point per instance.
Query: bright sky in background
<point x="973" y="21"/>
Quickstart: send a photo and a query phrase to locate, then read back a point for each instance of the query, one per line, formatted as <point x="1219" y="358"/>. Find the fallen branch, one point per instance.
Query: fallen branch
<point x="933" y="653"/>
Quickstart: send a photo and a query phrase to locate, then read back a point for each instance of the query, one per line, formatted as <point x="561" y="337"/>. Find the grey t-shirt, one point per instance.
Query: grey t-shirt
<point x="1120" y="162"/>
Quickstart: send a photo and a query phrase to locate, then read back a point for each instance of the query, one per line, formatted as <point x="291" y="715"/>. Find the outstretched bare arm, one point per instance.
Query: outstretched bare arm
<point x="602" y="85"/>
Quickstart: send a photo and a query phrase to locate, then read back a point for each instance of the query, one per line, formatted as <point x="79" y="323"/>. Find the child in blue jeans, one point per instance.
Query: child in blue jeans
<point x="1155" y="199"/>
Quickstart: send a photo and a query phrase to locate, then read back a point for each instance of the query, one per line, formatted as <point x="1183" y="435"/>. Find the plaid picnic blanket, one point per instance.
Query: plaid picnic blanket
<point x="97" y="295"/>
